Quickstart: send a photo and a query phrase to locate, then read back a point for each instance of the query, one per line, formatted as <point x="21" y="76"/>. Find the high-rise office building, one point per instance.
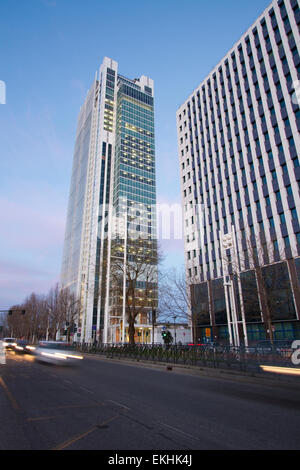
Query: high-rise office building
<point x="239" y="150"/>
<point x="111" y="220"/>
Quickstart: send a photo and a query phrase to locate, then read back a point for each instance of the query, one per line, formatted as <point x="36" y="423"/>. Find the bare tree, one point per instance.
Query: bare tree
<point x="28" y="320"/>
<point x="63" y="310"/>
<point x="43" y="316"/>
<point x="55" y="316"/>
<point x="16" y="324"/>
<point x="259" y="254"/>
<point x="70" y="307"/>
<point x="177" y="297"/>
<point x="140" y="269"/>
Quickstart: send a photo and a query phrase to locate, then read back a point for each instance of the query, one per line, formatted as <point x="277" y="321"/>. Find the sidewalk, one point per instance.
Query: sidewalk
<point x="209" y="372"/>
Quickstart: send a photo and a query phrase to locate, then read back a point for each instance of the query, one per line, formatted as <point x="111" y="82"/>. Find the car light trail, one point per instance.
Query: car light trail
<point x="61" y="356"/>
<point x="281" y="370"/>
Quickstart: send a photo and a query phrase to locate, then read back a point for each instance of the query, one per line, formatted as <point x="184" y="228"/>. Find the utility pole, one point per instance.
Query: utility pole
<point x="153" y="323"/>
<point x="124" y="274"/>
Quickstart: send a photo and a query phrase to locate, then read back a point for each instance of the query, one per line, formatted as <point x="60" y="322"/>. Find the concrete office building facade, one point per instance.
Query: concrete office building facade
<point x="112" y="195"/>
<point x="239" y="149"/>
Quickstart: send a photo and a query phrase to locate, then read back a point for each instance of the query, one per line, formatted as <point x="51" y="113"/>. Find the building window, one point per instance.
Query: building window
<point x="294" y="214"/>
<point x="282" y="218"/>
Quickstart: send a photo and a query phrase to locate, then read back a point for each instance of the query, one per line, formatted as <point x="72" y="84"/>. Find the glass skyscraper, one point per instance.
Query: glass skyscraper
<point x="111" y="220"/>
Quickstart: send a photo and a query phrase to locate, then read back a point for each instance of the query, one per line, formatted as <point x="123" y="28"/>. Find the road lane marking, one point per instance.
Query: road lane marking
<point x="119" y="404"/>
<point x="42" y="418"/>
<point x="64" y="407"/>
<point x="81" y="436"/>
<point x="189" y="436"/>
<point x="86" y="389"/>
<point x="9" y="395"/>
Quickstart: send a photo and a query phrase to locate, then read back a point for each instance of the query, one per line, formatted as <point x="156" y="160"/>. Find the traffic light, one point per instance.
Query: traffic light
<point x="167" y="337"/>
<point x="10" y="312"/>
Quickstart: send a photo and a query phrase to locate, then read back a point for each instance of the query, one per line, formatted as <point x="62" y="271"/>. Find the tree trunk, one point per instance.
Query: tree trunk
<point x="131" y="331"/>
<point x="264" y="304"/>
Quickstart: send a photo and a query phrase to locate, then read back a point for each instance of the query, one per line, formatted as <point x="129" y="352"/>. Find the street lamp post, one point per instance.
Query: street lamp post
<point x="174" y="316"/>
<point x="124" y="275"/>
<point x="228" y="242"/>
<point x="223" y="247"/>
<point x="238" y="272"/>
<point x="153" y="323"/>
<point x="48" y="324"/>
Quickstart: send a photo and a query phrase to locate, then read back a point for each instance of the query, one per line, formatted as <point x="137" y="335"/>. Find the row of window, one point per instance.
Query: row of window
<point x="188" y="191"/>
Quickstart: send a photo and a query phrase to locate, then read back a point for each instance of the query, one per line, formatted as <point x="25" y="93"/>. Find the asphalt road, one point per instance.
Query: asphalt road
<point x="106" y="405"/>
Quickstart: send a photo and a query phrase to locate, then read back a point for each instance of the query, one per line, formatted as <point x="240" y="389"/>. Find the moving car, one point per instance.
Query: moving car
<point x="56" y="352"/>
<point x="23" y="347"/>
<point x="20" y="346"/>
<point x="9" y="343"/>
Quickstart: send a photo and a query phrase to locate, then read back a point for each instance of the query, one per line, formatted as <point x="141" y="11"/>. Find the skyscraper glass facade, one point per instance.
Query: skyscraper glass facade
<point x="113" y="183"/>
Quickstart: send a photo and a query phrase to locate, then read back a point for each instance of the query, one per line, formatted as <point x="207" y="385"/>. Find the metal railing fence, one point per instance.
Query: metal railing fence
<point x="222" y="357"/>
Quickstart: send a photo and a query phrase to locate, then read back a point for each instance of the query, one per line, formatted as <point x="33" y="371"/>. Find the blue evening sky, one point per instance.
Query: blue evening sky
<point x="50" y="51"/>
